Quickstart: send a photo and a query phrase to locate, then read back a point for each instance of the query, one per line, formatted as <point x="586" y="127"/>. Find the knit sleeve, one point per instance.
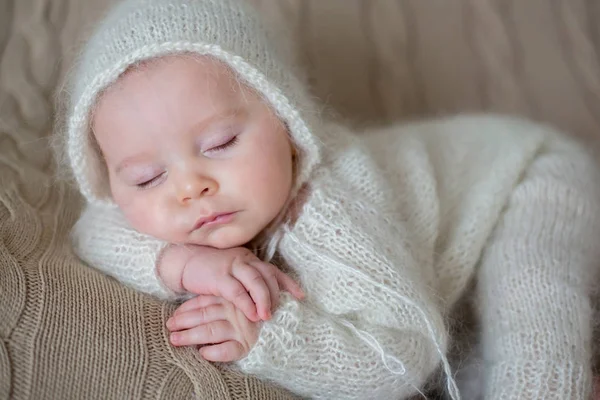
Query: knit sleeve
<point x="368" y="328"/>
<point x="534" y="281"/>
<point x="103" y="239"/>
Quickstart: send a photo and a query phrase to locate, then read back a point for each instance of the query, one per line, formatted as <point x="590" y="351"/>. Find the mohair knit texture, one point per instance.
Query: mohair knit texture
<point x="396" y="225"/>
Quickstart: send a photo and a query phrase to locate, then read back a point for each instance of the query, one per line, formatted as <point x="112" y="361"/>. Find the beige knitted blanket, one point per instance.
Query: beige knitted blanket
<point x="68" y="332"/>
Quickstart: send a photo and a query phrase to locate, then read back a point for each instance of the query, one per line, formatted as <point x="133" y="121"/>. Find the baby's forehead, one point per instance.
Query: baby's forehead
<point x="207" y="74"/>
<point x="172" y="94"/>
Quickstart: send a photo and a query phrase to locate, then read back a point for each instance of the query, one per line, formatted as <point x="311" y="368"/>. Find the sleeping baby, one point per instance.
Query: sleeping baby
<point x="324" y="260"/>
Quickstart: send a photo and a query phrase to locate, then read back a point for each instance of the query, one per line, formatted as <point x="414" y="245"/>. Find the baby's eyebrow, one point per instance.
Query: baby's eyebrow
<point x="228" y="113"/>
<point x="130" y="160"/>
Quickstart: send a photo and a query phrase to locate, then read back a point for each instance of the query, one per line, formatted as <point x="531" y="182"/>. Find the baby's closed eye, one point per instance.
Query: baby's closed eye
<point x="146" y="183"/>
<point x="225" y="143"/>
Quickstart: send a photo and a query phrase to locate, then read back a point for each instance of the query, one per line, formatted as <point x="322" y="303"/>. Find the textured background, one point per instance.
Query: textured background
<point x="390" y="59"/>
<point x="374" y="61"/>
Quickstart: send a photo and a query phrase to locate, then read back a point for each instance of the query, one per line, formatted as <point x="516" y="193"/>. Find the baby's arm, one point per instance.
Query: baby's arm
<point x="103" y="239"/>
<point x="534" y="281"/>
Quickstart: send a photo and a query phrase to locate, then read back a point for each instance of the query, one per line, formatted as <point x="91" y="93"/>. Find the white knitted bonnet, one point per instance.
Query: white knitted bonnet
<point x="228" y="30"/>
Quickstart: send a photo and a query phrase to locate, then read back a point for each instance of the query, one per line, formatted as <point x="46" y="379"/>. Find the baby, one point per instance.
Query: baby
<point x="205" y="164"/>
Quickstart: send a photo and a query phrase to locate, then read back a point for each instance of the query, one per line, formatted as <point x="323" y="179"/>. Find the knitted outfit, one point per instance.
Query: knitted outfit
<point x="396" y="224"/>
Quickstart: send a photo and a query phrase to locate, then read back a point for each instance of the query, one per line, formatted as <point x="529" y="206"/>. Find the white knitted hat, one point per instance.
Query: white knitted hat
<point x="228" y="30"/>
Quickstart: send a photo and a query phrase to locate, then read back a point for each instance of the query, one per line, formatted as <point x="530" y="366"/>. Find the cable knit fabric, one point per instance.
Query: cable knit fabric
<point x="395" y="224"/>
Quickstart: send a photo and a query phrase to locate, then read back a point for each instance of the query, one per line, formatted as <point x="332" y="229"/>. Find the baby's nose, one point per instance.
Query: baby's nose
<point x="194" y="186"/>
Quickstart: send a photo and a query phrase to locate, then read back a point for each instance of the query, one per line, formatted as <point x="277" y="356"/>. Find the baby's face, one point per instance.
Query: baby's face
<point x="193" y="156"/>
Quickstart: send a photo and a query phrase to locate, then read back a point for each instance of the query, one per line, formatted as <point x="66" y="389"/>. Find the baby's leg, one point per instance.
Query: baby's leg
<point x="533" y="286"/>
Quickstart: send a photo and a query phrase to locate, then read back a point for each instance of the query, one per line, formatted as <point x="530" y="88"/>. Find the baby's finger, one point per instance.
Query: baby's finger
<point x="290" y="285"/>
<point x="210" y="333"/>
<point x="195" y="317"/>
<point x="235" y="292"/>
<point x="199" y="301"/>
<point x="228" y="351"/>
<point x="269" y="273"/>
<point x="254" y="282"/>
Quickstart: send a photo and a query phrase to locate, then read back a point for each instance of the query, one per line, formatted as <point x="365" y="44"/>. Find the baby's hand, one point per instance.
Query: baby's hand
<point x="217" y="325"/>
<point x="239" y="276"/>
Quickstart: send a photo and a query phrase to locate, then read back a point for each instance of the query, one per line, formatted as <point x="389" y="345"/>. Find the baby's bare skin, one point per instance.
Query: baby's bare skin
<point x="235" y="274"/>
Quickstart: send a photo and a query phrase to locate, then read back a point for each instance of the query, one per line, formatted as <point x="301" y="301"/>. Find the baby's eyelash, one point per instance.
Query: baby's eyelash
<point x="150" y="183"/>
<point x="224" y="146"/>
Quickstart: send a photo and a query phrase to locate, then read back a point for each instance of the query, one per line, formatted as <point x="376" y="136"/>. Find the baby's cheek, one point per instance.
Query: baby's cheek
<point x="139" y="216"/>
<point x="139" y="219"/>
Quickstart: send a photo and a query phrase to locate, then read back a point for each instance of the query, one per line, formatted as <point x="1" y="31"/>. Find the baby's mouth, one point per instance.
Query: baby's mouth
<point x="214" y="219"/>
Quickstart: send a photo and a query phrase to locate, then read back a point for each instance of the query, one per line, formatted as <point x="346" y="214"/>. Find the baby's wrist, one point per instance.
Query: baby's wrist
<point x="171" y="264"/>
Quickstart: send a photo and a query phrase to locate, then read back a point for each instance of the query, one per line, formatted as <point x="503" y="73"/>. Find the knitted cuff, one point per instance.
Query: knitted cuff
<point x="276" y="334"/>
<point x="538" y="379"/>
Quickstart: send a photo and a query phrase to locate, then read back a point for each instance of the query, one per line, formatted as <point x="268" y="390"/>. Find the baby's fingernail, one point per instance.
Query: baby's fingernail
<point x="175" y="338"/>
<point x="266" y="314"/>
